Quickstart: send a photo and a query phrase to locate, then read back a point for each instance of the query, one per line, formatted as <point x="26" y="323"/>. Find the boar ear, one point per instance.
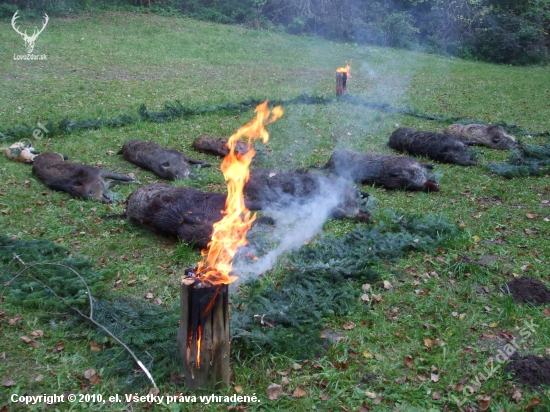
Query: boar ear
<point x="396" y="171"/>
<point x="164" y="165"/>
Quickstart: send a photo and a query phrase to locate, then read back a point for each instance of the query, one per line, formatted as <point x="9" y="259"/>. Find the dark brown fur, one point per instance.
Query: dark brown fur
<point x="82" y="181"/>
<point x="492" y="136"/>
<point x="178" y="211"/>
<point x="392" y="172"/>
<point x="166" y="163"/>
<point x="437" y="146"/>
<point x="217" y="146"/>
<point x="280" y="187"/>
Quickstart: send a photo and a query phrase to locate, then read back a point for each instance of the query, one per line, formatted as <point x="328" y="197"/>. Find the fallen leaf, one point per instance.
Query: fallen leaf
<point x="436" y="396"/>
<point x="429" y="342"/>
<point x="59" y="347"/>
<point x="546" y="311"/>
<point x="366" y="287"/>
<point x="484" y="403"/>
<point x="149" y="296"/>
<point x="26" y="339"/>
<point x="349" y="325"/>
<point x="365" y="297"/>
<point x="273" y="391"/>
<point x="370" y="395"/>
<point x="296" y="366"/>
<point x="387" y="285"/>
<point x="434" y="377"/>
<point x="409" y="361"/>
<point x="516" y="396"/>
<point x="534" y="402"/>
<point x="377" y="298"/>
<point x="16" y="319"/>
<point x="421" y="378"/>
<point x="95" y="379"/>
<point x="530" y="216"/>
<point x="367" y="354"/>
<point x="493" y="325"/>
<point x="401" y="381"/>
<point x="476" y="239"/>
<point x="89" y="373"/>
<point x="324" y="397"/>
<point x="379" y="357"/>
<point x="8" y="383"/>
<point x="37" y="333"/>
<point x="377" y="400"/>
<point x="299" y="392"/>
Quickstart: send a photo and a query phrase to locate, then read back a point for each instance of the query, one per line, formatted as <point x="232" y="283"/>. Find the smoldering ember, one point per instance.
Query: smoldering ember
<point x="274" y="205"/>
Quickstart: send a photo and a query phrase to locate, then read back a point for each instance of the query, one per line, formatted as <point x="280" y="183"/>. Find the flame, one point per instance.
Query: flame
<point x="199" y="336"/>
<point x="230" y="232"/>
<point x="344" y="70"/>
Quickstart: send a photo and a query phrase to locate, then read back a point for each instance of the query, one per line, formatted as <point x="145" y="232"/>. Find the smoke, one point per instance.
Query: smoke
<point x="295" y="223"/>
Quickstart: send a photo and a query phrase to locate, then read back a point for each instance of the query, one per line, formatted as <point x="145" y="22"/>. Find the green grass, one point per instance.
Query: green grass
<point x="108" y="64"/>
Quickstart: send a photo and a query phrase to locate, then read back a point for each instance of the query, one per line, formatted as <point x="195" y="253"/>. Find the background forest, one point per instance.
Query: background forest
<point x="498" y="31"/>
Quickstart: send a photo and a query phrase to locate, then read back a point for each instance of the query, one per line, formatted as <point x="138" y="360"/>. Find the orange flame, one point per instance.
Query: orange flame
<point x="345" y="69"/>
<point x="230" y="232"/>
<point x="199" y="337"/>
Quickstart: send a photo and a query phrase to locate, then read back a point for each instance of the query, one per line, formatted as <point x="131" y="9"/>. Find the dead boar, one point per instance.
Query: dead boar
<point x="21" y="152"/>
<point x="217" y="146"/>
<point x="178" y="211"/>
<point x="437" y="146"/>
<point x="492" y="136"/>
<point x="281" y="187"/>
<point x="82" y="181"/>
<point x="392" y="172"/>
<point x="167" y="163"/>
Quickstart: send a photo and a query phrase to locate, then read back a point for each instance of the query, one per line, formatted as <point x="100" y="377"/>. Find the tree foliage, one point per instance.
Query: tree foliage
<point x="500" y="31"/>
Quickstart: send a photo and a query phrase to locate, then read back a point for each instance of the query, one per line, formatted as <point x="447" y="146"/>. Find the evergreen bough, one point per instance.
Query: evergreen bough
<point x="525" y="160"/>
<point x="172" y="111"/>
<point x="315" y="284"/>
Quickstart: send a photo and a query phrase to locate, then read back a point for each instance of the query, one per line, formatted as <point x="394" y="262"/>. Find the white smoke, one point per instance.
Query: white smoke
<point x="295" y="224"/>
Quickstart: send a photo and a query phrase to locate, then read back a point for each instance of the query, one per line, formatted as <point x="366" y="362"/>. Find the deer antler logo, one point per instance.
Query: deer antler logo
<point x="29" y="40"/>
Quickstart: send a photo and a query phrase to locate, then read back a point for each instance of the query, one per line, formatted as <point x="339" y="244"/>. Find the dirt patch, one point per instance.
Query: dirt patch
<point x="526" y="289"/>
<point x="530" y="369"/>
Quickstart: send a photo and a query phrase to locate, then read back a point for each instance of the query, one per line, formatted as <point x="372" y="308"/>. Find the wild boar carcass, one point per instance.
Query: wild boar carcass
<point x="437" y="146"/>
<point x="392" y="172"/>
<point x="166" y="163"/>
<point x="82" y="181"/>
<point x="178" y="211"/>
<point x="217" y="146"/>
<point x="492" y="136"/>
<point x="282" y="187"/>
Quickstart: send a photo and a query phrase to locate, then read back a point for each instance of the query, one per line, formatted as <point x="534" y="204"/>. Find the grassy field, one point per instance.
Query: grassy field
<point x="433" y="330"/>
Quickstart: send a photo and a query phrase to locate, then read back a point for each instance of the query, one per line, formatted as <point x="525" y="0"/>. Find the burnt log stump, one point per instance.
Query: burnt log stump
<point x="203" y="334"/>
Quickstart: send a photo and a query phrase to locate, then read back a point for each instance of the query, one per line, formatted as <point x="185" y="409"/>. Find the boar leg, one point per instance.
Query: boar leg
<point x="116" y="176"/>
<point x="196" y="162"/>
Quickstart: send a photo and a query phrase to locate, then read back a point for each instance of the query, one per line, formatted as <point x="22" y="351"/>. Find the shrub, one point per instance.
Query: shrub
<point x="399" y="30"/>
<point x="503" y="37"/>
